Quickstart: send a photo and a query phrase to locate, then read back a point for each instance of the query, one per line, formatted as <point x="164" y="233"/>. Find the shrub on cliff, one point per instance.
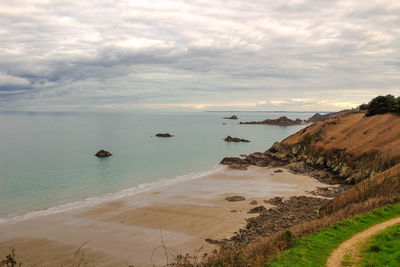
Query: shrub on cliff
<point x="383" y="104"/>
<point x="363" y="106"/>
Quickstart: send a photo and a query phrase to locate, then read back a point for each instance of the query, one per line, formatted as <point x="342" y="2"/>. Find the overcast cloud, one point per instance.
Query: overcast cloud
<point x="209" y="54"/>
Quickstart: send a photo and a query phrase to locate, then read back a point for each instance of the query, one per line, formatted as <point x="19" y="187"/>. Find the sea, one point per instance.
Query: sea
<point x="47" y="161"/>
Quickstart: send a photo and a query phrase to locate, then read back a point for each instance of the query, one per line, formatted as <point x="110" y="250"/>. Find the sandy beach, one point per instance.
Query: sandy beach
<point x="133" y="230"/>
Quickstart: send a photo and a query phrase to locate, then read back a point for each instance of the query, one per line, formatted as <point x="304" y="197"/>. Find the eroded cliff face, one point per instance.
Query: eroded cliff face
<point x="350" y="147"/>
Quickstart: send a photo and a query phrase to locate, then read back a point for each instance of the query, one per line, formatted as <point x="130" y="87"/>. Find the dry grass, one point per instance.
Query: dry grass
<point x="385" y="185"/>
<point x="359" y="136"/>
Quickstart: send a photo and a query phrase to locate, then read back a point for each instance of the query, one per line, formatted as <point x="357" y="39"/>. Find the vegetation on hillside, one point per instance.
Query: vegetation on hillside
<point x="383" y="249"/>
<point x="381" y="105"/>
<point x="384" y="188"/>
<point x="353" y="146"/>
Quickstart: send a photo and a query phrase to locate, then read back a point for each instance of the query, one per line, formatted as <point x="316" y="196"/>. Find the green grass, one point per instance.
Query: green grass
<point x="314" y="249"/>
<point x="383" y="249"/>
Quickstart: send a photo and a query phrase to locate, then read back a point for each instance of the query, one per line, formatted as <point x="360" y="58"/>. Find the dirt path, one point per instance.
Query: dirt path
<point x="351" y="247"/>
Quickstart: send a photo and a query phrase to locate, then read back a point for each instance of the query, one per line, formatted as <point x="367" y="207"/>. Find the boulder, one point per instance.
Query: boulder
<point x="103" y="154"/>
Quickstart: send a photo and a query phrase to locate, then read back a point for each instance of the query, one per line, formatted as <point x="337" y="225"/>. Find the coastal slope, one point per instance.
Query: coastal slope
<point x="354" y="146"/>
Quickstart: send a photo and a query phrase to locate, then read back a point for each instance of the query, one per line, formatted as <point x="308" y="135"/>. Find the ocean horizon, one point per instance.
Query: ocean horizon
<point x="48" y="165"/>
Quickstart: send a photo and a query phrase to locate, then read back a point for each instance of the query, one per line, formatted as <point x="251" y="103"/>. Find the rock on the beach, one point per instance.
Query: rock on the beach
<point x="254" y="202"/>
<point x="232" y="160"/>
<point x="235" y="198"/>
<point x="235" y="139"/>
<point x="258" y="209"/>
<point x="278" y="171"/>
<point x="235" y="163"/>
<point x="164" y="135"/>
<point x="103" y="154"/>
<point x="233" y="117"/>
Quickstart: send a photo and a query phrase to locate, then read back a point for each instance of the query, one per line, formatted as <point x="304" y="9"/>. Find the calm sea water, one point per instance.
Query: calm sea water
<point x="47" y="160"/>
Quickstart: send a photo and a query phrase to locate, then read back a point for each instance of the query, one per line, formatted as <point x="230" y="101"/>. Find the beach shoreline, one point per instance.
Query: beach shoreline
<point x="135" y="229"/>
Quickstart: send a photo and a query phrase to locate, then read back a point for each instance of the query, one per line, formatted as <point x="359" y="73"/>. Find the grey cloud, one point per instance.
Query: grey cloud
<point x="195" y="50"/>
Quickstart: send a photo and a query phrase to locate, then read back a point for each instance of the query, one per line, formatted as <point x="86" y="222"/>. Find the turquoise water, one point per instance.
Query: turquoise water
<point x="47" y="160"/>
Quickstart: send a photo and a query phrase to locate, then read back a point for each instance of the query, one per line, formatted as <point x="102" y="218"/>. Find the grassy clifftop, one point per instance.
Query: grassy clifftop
<point x="353" y="145"/>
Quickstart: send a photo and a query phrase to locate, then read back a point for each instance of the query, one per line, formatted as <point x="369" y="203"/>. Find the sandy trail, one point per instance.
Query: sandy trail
<point x="352" y="246"/>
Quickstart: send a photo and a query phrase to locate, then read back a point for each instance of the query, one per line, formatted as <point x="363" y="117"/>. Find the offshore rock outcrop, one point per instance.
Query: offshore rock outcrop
<point x="164" y="135"/>
<point x="103" y="154"/>
<point x="235" y="139"/>
<point x="282" y="121"/>
<point x="233" y="117"/>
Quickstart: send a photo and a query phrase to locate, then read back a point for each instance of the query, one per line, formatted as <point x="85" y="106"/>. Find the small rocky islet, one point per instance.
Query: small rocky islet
<point x="103" y="154"/>
<point x="235" y="139"/>
<point x="164" y="135"/>
<point x="281" y="121"/>
<point x="233" y="117"/>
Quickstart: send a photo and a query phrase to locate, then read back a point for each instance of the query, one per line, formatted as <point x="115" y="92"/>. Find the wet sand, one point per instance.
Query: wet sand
<point x="132" y="230"/>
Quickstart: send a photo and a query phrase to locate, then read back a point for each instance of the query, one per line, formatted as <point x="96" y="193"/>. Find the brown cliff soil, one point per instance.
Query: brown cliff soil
<point x="354" y="146"/>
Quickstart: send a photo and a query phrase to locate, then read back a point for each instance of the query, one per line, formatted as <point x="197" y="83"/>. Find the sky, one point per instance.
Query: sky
<point x="94" y="55"/>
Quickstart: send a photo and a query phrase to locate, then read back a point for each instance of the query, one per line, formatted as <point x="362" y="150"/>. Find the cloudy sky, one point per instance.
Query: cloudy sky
<point x="197" y="54"/>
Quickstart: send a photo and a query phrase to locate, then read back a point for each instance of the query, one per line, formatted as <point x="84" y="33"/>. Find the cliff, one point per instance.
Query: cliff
<point x="351" y="147"/>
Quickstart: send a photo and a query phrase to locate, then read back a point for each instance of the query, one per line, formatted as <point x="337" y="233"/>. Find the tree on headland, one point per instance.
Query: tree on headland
<point x="382" y="104"/>
<point x="363" y="106"/>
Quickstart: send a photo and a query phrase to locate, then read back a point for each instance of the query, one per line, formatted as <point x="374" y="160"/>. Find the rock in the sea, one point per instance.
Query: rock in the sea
<point x="282" y="121"/>
<point x="103" y="154"/>
<point x="235" y="139"/>
<point x="164" y="135"/>
<point x="278" y="171"/>
<point x="233" y="117"/>
<point x="254" y="202"/>
<point x="235" y="198"/>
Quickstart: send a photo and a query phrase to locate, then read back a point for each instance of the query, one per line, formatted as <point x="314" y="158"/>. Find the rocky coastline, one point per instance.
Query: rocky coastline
<point x="295" y="210"/>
